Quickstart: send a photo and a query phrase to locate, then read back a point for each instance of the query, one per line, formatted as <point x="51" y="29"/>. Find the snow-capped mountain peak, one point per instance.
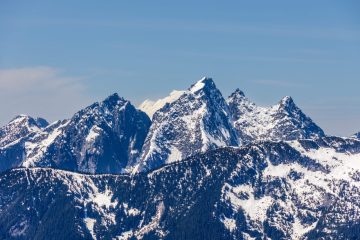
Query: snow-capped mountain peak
<point x="205" y="83"/>
<point x="287" y="100"/>
<point x="196" y="122"/>
<point x="287" y="103"/>
<point x="19" y="127"/>
<point x="238" y="93"/>
<point x="239" y="104"/>
<point x="112" y="101"/>
<point x="150" y="106"/>
<point x="283" y="121"/>
<point x="105" y="137"/>
<point x="20" y="118"/>
<point x="27" y="120"/>
<point x="357" y="135"/>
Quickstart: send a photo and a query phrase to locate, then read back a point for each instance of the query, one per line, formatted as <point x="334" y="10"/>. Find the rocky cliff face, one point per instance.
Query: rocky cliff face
<point x="105" y="137"/>
<point x="196" y="122"/>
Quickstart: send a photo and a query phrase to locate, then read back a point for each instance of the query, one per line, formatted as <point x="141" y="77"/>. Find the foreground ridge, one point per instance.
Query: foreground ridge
<point x="274" y="190"/>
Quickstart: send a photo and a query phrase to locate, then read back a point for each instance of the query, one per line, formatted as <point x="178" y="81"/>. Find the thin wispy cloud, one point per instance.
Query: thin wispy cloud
<point x="261" y="29"/>
<point x="40" y="90"/>
<point x="41" y="77"/>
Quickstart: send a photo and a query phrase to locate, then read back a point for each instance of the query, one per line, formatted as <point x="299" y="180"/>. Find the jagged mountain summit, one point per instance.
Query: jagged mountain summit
<point x="19" y="127"/>
<point x="281" y="122"/>
<point x="109" y="136"/>
<point x="105" y="137"/>
<point x="357" y="135"/>
<point x="306" y="189"/>
<point x="195" y="122"/>
<point x="13" y="137"/>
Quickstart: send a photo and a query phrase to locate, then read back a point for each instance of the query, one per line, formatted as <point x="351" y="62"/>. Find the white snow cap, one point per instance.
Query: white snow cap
<point x="286" y="100"/>
<point x="203" y="82"/>
<point x="150" y="107"/>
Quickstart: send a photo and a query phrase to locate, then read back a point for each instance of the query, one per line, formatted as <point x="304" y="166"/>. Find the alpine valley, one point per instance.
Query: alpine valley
<point x="193" y="165"/>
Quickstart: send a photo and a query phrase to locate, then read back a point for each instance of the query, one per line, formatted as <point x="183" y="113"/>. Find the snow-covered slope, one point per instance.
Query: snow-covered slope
<point x="307" y="189"/>
<point x="105" y="137"/>
<point x="283" y="121"/>
<point x="302" y="190"/>
<point x="196" y="122"/>
<point x="150" y="107"/>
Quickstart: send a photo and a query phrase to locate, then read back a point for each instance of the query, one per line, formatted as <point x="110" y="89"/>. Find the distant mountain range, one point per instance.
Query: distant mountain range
<point x="114" y="137"/>
<point x="192" y="165"/>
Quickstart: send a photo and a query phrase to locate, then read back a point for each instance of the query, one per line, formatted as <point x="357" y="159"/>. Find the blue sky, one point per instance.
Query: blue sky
<point x="57" y="57"/>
